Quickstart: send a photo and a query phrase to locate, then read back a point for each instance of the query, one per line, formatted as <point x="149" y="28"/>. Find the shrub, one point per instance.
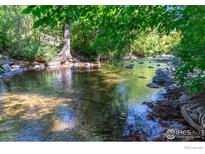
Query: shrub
<point x="151" y="43"/>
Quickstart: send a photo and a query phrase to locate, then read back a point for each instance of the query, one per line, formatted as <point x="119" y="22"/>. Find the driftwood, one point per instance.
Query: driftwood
<point x="194" y="112"/>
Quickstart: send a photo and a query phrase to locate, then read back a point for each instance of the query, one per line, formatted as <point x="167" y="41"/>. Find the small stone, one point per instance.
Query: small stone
<point x="130" y="66"/>
<point x="150" y="67"/>
<point x="153" y="85"/>
<point x="142" y="77"/>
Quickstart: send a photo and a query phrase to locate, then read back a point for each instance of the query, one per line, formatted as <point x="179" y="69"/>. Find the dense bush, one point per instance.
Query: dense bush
<point x="20" y="40"/>
<point x="152" y="43"/>
<point x="192" y="48"/>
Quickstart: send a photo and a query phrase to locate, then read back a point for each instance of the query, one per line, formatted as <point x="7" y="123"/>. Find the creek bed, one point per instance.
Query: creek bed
<point x="79" y="105"/>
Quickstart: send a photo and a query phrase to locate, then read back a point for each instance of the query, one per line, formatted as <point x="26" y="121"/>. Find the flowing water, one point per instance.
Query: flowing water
<point x="77" y="105"/>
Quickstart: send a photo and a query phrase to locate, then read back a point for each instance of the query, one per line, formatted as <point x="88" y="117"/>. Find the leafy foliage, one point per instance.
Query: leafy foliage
<point x="192" y="49"/>
<point x="111" y="31"/>
<point x="112" y="27"/>
<point x="152" y="43"/>
<point x="18" y="38"/>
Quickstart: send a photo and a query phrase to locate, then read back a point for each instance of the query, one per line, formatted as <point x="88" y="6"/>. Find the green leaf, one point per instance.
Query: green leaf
<point x="38" y="23"/>
<point x="28" y="10"/>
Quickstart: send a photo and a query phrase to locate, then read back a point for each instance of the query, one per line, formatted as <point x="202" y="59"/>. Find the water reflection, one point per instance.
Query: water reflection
<point x="68" y="105"/>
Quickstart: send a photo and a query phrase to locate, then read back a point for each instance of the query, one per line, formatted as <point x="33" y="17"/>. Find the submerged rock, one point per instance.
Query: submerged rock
<point x="141" y="62"/>
<point x="153" y="85"/>
<point x="142" y="77"/>
<point x="150" y="67"/>
<point x="130" y="66"/>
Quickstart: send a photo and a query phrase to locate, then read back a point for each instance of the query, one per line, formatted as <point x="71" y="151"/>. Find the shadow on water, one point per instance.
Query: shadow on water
<point x="65" y="105"/>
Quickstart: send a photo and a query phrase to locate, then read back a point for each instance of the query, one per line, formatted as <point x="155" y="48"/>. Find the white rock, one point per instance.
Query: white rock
<point x="39" y="67"/>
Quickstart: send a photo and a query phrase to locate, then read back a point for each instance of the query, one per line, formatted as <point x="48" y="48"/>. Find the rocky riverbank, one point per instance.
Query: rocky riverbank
<point x="165" y="114"/>
<point x="12" y="67"/>
<point x="167" y="111"/>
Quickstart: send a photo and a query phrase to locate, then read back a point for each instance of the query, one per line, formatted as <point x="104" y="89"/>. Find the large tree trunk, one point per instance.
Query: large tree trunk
<point x="65" y="52"/>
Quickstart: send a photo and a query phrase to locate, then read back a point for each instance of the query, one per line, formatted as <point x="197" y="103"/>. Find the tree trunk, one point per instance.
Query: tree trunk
<point x="65" y="52"/>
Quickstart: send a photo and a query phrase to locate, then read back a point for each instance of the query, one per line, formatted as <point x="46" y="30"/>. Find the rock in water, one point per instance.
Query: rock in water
<point x="153" y="85"/>
<point x="130" y="66"/>
<point x="6" y="68"/>
<point x="39" y="67"/>
<point x="150" y="67"/>
<point x="162" y="77"/>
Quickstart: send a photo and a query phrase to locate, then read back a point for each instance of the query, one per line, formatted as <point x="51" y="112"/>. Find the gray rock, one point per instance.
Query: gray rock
<point x="153" y="85"/>
<point x="17" y="71"/>
<point x="6" y="68"/>
<point x="130" y="57"/>
<point x="9" y="62"/>
<point x="163" y="77"/>
<point x="184" y="98"/>
<point x="165" y="58"/>
<point x="8" y="75"/>
<point x="74" y="66"/>
<point x="130" y="66"/>
<point x="39" y="67"/>
<point x="16" y="66"/>
<point x="162" y="72"/>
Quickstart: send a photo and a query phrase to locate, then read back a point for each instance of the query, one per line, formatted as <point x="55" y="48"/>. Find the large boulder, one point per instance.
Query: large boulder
<point x="163" y="77"/>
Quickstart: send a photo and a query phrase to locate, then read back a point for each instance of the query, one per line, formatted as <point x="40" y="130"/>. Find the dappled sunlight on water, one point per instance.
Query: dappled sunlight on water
<point x="30" y="106"/>
<point x="73" y="105"/>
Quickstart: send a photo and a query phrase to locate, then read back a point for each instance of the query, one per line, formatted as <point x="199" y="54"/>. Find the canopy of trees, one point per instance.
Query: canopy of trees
<point x="111" y="31"/>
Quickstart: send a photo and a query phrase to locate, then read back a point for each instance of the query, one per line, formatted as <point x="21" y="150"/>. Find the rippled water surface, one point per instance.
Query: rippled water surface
<point x="67" y="105"/>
